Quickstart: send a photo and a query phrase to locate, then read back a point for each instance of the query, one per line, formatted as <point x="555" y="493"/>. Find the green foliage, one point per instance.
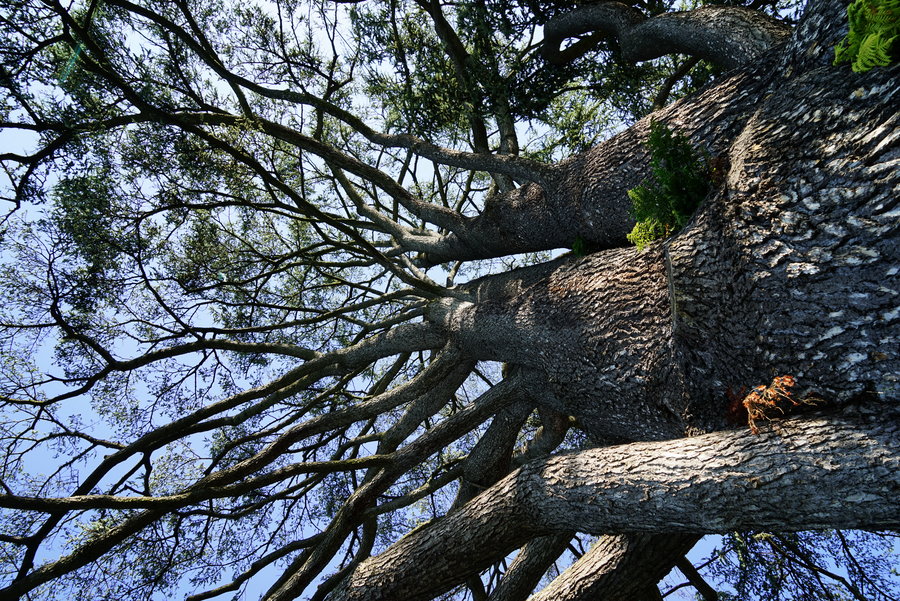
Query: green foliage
<point x="648" y="230"/>
<point x="679" y="182"/>
<point x="579" y="247"/>
<point x="422" y="90"/>
<point x="870" y="42"/>
<point x="87" y="229"/>
<point x="575" y="122"/>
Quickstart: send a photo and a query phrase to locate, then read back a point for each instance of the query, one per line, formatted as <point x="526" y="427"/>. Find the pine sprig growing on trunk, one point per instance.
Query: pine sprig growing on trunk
<point x="664" y="202"/>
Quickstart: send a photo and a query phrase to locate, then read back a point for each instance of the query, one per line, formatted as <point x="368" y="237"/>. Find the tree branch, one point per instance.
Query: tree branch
<point x="526" y="570"/>
<point x="778" y="480"/>
<point x="685" y="566"/>
<point x="586" y="196"/>
<point x="618" y="568"/>
<point x="508" y="164"/>
<point x="725" y="35"/>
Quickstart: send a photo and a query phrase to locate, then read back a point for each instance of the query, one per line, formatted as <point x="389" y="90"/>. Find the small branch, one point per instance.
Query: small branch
<point x="666" y="89"/>
<point x="696" y="579"/>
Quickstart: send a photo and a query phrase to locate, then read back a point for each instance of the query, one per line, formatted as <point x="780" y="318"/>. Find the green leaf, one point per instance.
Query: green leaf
<point x="873" y="52"/>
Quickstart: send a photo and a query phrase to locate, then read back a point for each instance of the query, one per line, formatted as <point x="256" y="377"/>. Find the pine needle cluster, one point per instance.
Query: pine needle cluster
<point x="664" y="202"/>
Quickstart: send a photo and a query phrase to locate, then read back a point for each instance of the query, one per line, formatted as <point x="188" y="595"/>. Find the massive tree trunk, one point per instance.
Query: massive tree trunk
<point x="789" y="267"/>
<point x="784" y="269"/>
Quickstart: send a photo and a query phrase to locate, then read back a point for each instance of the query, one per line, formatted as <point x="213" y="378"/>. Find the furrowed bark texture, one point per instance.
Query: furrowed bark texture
<point x="836" y="471"/>
<point x="618" y="568"/>
<point x="599" y="331"/>
<point x="586" y="195"/>
<point x="785" y="269"/>
<point x="788" y="268"/>
<point x="725" y="35"/>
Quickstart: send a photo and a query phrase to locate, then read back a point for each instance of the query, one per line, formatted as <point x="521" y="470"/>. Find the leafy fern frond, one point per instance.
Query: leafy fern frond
<point x="873" y="52"/>
<point x="874" y="29"/>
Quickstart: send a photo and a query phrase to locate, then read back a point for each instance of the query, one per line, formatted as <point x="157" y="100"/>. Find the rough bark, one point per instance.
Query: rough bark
<point x="783" y="270"/>
<point x="726" y="35"/>
<point x="529" y="566"/>
<point x="788" y="267"/>
<point x="599" y="332"/>
<point x="618" y="568"/>
<point x="585" y="196"/>
<point x="489" y="460"/>
<point x="836" y="471"/>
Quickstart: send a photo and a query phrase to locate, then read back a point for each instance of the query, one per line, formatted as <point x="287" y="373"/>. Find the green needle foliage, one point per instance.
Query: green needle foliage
<point x="874" y="28"/>
<point x="664" y="202"/>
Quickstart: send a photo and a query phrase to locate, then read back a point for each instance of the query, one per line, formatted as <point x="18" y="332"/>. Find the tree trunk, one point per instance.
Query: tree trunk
<point x="785" y="268"/>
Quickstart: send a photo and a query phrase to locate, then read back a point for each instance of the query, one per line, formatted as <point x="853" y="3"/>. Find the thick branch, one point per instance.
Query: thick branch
<point x="490" y="458"/>
<point x="586" y="196"/>
<point x="529" y="566"/>
<point x="618" y="568"/>
<point x="840" y="471"/>
<point x="685" y="566"/>
<point x="726" y="35"/>
<point x="301" y="573"/>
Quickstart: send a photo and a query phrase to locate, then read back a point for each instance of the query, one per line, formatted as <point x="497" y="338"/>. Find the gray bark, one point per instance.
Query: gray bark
<point x="598" y="331"/>
<point x="489" y="460"/>
<point x="836" y="471"/>
<point x="785" y="269"/>
<point x="585" y="196"/>
<point x="529" y="566"/>
<point x="726" y="35"/>
<point x="789" y="267"/>
<point x="619" y="568"/>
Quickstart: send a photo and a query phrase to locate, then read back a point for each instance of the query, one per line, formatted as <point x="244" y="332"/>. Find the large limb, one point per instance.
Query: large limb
<point x="586" y="196"/>
<point x="529" y="566"/>
<point x="306" y="567"/>
<point x="487" y="463"/>
<point x="800" y="234"/>
<point x="596" y="329"/>
<point x="619" y="568"/>
<point x="707" y="484"/>
<point x="726" y="35"/>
